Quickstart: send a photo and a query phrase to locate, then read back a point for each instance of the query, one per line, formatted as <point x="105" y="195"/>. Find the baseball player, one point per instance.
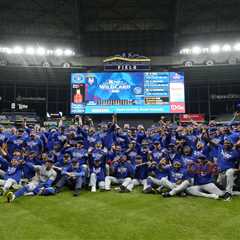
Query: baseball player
<point x="179" y="180"/>
<point x="97" y="176"/>
<point x="12" y="176"/>
<point x="73" y="176"/>
<point x="41" y="183"/>
<point x="203" y="173"/>
<point x="228" y="161"/>
<point x="140" y="174"/>
<point x="122" y="173"/>
<point x="155" y="175"/>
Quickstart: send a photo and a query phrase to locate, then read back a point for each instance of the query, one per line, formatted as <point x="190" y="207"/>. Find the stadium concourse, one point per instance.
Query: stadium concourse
<point x="166" y="159"/>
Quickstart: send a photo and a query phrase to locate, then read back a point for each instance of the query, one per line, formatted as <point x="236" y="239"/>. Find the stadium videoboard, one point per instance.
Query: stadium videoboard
<point x="127" y="92"/>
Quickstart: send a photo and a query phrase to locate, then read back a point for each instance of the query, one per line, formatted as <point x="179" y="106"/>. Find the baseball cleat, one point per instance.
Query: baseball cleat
<point x="122" y="188"/>
<point x="10" y="197"/>
<point x="227" y="196"/>
<point x="76" y="193"/>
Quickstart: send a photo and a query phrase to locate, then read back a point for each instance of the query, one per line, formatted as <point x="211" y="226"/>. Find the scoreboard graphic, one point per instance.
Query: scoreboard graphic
<point x="127" y="92"/>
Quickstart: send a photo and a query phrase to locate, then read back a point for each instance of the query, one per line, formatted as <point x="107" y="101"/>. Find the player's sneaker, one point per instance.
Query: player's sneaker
<point x="227" y="196"/>
<point x="93" y="189"/>
<point x="10" y="197"/>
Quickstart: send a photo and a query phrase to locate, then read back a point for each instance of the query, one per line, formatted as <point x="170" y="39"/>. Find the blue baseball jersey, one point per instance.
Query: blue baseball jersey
<point x="202" y="174"/>
<point x="159" y="172"/>
<point x="79" y="153"/>
<point x="227" y="159"/>
<point x="141" y="172"/>
<point x="77" y="169"/>
<point x="13" y="173"/>
<point x="34" y="145"/>
<point x="178" y="175"/>
<point x="100" y="173"/>
<point x="123" y="170"/>
<point x="3" y="164"/>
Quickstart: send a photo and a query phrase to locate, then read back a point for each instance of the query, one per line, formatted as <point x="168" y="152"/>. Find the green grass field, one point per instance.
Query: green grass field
<point x="116" y="216"/>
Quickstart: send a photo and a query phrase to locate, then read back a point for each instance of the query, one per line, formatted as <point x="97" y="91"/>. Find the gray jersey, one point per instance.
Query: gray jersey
<point x="43" y="175"/>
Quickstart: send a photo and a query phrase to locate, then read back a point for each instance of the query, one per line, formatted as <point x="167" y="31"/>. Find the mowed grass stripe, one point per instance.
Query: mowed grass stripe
<point x="118" y="216"/>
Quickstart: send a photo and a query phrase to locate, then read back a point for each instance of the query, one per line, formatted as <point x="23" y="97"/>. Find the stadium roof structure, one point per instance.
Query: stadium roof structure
<point x="107" y="27"/>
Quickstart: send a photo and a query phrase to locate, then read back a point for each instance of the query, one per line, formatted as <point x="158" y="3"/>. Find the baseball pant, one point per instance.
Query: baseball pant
<point x="30" y="187"/>
<point x="209" y="190"/>
<point x="175" y="188"/>
<point x="109" y="180"/>
<point x="227" y="178"/>
<point x="137" y="182"/>
<point x="76" y="183"/>
<point x="2" y="173"/>
<point x="7" y="184"/>
<point x="151" y="180"/>
<point x="94" y="182"/>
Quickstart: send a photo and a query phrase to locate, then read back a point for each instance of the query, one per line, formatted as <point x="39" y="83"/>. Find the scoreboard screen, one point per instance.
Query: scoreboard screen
<point x="127" y="92"/>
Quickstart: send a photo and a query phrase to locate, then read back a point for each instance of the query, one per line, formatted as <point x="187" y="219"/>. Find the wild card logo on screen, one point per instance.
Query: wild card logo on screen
<point x="114" y="85"/>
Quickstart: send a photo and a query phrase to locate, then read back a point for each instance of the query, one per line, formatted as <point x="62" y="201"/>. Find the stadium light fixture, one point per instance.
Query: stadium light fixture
<point x="8" y="50"/>
<point x="38" y="51"/>
<point x="205" y="50"/>
<point x="46" y="64"/>
<point x="215" y="48"/>
<point x="17" y="50"/>
<point x="58" y="52"/>
<point x="237" y="47"/>
<point x="41" y="51"/>
<point x="66" y="65"/>
<point x="196" y="50"/>
<point x="69" y="52"/>
<point x="188" y="63"/>
<point x="226" y="48"/>
<point x="30" y="50"/>
<point x="209" y="62"/>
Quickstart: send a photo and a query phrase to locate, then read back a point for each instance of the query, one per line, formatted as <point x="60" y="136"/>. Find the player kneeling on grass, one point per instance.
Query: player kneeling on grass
<point x="41" y="183"/>
<point x="156" y="172"/>
<point x="73" y="176"/>
<point x="203" y="172"/>
<point x="140" y="174"/>
<point x="97" y="176"/>
<point x="122" y="173"/>
<point x="179" y="180"/>
<point x="12" y="176"/>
